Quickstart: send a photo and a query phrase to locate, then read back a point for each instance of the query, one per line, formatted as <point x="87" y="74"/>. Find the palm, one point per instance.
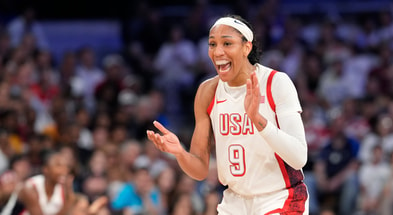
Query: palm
<point x="167" y="142"/>
<point x="252" y="99"/>
<point x="171" y="143"/>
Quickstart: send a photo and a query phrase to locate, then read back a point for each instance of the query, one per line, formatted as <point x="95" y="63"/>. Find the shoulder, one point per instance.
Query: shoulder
<point x="34" y="180"/>
<point x="28" y="192"/>
<point x="207" y="89"/>
<point x="209" y="84"/>
<point x="129" y="189"/>
<point x="204" y="96"/>
<point x="281" y="82"/>
<point x="281" y="77"/>
<point x="278" y="77"/>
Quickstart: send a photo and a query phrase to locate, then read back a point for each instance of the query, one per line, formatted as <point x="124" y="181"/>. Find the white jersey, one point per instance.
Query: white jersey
<point x="49" y="205"/>
<point x="245" y="161"/>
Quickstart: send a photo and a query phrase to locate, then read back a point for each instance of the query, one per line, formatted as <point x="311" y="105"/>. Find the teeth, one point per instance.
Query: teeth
<point x="221" y="62"/>
<point x="226" y="70"/>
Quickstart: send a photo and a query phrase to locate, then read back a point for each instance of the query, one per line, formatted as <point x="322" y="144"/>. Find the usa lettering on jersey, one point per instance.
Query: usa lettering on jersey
<point x="235" y="124"/>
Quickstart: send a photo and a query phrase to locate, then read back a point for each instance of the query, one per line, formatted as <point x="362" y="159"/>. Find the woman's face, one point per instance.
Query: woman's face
<point x="229" y="52"/>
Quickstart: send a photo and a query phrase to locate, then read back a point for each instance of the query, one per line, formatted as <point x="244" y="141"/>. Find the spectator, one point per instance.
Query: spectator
<point x="10" y="186"/>
<point x="186" y="195"/>
<point x="5" y="151"/>
<point x="120" y="174"/>
<point x="332" y="88"/>
<point x="373" y="176"/>
<point x="138" y="196"/>
<point x="107" y="91"/>
<point x="166" y="183"/>
<point x="85" y="143"/>
<point x="386" y="197"/>
<point x="20" y="165"/>
<point x="174" y="62"/>
<point x="182" y="205"/>
<point x="336" y="170"/>
<point x="152" y="156"/>
<point x="43" y="193"/>
<point x="5" y="45"/>
<point x="45" y="89"/>
<point x="26" y="23"/>
<point x="87" y="76"/>
<point x="381" y="133"/>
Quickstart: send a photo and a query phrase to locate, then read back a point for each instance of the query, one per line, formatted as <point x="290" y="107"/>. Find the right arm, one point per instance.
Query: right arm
<point x="29" y="197"/>
<point x="194" y="163"/>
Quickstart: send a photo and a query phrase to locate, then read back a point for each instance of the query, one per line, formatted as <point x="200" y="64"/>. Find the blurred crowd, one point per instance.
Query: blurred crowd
<point x="95" y="112"/>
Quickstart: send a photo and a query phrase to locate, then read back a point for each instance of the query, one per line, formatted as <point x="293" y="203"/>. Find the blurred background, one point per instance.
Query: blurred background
<point x="89" y="77"/>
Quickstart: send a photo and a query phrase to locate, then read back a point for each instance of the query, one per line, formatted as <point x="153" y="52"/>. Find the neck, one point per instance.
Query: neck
<point x="49" y="188"/>
<point x="243" y="75"/>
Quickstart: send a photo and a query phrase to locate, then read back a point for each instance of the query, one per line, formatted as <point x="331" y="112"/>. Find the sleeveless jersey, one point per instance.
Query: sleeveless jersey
<point x="245" y="161"/>
<point x="49" y="205"/>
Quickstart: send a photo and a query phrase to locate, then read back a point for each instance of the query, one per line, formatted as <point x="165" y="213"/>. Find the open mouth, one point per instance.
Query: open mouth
<point x="223" y="65"/>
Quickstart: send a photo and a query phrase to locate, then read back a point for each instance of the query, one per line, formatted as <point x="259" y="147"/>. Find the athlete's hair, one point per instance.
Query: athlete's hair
<point x="255" y="53"/>
<point x="47" y="155"/>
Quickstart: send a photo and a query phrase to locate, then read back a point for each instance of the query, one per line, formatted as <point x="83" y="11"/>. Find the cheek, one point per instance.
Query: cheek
<point x="210" y="53"/>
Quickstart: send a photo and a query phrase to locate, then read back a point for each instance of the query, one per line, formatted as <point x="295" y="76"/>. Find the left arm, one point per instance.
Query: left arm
<point x="288" y="141"/>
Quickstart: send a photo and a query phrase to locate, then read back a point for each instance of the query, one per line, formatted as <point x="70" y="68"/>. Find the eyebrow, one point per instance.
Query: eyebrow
<point x="225" y="36"/>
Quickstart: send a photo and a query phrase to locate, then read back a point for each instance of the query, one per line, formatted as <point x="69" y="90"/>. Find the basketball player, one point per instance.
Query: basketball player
<point x="49" y="193"/>
<point x="253" y="113"/>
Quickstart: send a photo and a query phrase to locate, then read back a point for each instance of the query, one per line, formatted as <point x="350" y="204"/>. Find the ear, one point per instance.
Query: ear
<point x="247" y="48"/>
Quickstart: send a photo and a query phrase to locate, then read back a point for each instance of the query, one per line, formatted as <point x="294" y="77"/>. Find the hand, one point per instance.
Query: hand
<point x="97" y="205"/>
<point x="167" y="142"/>
<point x="253" y="97"/>
<point x="68" y="187"/>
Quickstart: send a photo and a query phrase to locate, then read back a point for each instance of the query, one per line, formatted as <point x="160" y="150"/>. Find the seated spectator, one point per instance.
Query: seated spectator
<point x="372" y="178"/>
<point x="48" y="193"/>
<point x="108" y="89"/>
<point x="10" y="186"/>
<point x="336" y="171"/>
<point x="187" y="195"/>
<point x="381" y="133"/>
<point x="386" y="197"/>
<point x="139" y="196"/>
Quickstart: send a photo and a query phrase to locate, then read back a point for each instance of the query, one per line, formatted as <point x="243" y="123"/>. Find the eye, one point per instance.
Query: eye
<point x="227" y="44"/>
<point x="212" y="44"/>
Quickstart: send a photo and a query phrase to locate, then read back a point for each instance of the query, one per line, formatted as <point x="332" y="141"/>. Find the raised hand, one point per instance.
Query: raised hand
<point x="166" y="141"/>
<point x="253" y="97"/>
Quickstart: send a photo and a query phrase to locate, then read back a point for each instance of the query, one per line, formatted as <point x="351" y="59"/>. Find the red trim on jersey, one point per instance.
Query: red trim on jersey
<point x="269" y="91"/>
<point x="283" y="167"/>
<point x="62" y="194"/>
<point x="284" y="172"/>
<point x="210" y="108"/>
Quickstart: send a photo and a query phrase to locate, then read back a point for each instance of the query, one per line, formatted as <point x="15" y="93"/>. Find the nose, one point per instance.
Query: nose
<point x="218" y="51"/>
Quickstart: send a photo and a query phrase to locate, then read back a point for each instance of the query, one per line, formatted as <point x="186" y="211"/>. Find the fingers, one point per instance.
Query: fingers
<point x="160" y="127"/>
<point x="249" y="87"/>
<point x="253" y="85"/>
<point x="157" y="139"/>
